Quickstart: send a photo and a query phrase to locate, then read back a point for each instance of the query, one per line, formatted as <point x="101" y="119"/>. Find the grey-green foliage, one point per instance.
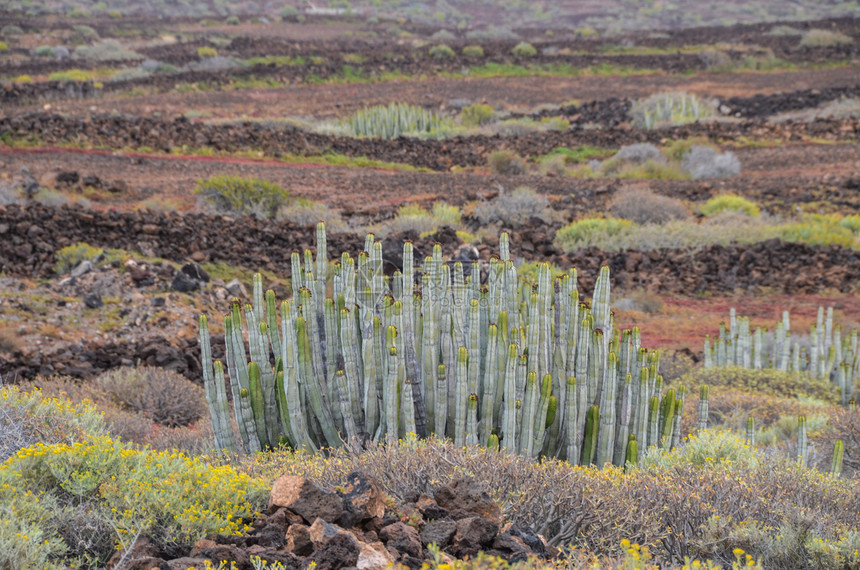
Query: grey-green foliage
<point x="669" y="109"/>
<point x="359" y="355"/>
<point x="393" y="120"/>
<point x="828" y="355"/>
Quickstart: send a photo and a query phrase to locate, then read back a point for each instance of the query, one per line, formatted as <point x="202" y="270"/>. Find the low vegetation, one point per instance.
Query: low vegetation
<point x="669" y="109"/>
<point x="242" y="196"/>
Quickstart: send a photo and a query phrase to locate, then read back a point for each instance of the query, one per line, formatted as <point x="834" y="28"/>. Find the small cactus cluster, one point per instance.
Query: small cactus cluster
<point x="391" y="121"/>
<point x="831" y="356"/>
<point x="520" y="366"/>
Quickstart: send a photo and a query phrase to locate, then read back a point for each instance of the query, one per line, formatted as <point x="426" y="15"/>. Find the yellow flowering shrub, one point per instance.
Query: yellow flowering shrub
<point x="167" y="496"/>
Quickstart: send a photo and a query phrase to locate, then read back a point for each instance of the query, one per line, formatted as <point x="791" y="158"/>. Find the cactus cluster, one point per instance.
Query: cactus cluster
<point x="525" y="367"/>
<point x="831" y="356"/>
<point x="391" y="121"/>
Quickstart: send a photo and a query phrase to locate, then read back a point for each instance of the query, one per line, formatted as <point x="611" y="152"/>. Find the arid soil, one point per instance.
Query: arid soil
<point x="144" y="143"/>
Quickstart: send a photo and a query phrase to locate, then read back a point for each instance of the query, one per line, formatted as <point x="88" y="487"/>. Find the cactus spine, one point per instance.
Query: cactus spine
<point x="357" y="355"/>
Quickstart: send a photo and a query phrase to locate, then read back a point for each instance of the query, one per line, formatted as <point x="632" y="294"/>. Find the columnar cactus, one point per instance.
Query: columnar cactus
<point x="832" y="356"/>
<point x="355" y="356"/>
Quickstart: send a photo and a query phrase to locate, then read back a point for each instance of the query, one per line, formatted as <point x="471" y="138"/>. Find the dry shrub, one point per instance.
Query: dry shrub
<point x="127" y="423"/>
<point x="643" y="206"/>
<point x="515" y="208"/>
<point x="506" y="163"/>
<point x="674" y="507"/>
<point x="845" y="426"/>
<point x="730" y="407"/>
<point x="163" y="396"/>
<point x="774" y="382"/>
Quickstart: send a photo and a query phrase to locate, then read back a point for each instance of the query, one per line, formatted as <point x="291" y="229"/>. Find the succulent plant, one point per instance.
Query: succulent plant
<point x="521" y="366"/>
<point x="832" y="356"/>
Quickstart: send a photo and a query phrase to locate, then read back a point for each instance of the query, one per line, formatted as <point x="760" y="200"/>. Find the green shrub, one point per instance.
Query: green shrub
<point x="670" y="108"/>
<point x="582" y="233"/>
<point x="852" y="223"/>
<point x="820" y="229"/>
<point x="72" y="75"/>
<point x="506" y="163"/>
<point x="442" y="51"/>
<point x="473" y="52"/>
<point x="85" y="32"/>
<point x="43" y="51"/>
<point x="96" y="494"/>
<point x="206" y="51"/>
<point x="476" y="115"/>
<point x="11" y="30"/>
<point x="729" y="203"/>
<point x="242" y="196"/>
<point x="447" y="214"/>
<point x="5" y="47"/>
<point x="66" y="258"/>
<point x="817" y="38"/>
<point x="524" y="49"/>
<point x="23" y="79"/>
<point x="107" y="50"/>
<point x="233" y="21"/>
<point x="709" y="446"/>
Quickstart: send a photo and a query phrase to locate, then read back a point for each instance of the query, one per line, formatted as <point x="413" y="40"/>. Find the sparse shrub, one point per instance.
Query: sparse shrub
<point x="644" y="302"/>
<point x="72" y="75"/>
<point x="506" y="163"/>
<point x="442" y="51"/>
<point x="4" y="46"/>
<point x="23" y="79"/>
<point x="699" y="510"/>
<point x="44" y="51"/>
<point x="524" y="49"/>
<point x="233" y="21"/>
<point x="669" y="109"/>
<point x="676" y="149"/>
<point x="714" y="58"/>
<point x="643" y="206"/>
<point x="130" y="74"/>
<point x="553" y="165"/>
<point x="639" y="153"/>
<point x="589" y="231"/>
<point x="705" y="162"/>
<point x="11" y="30"/>
<point x="476" y="115"/>
<point x="514" y="209"/>
<point x="242" y="196"/>
<point x="107" y="50"/>
<point x="288" y="12"/>
<point x="163" y="396"/>
<point x="85" y="32"/>
<point x="308" y="213"/>
<point x="413" y="217"/>
<point x="770" y="381"/>
<point x="783" y="30"/>
<point x="817" y="38"/>
<point x="206" y="51"/>
<point x="473" y="52"/>
<point x="68" y="257"/>
<point x="729" y="203"/>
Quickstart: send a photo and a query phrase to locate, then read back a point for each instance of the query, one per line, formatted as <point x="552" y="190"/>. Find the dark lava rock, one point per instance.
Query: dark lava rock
<point x="93" y="300"/>
<point x="183" y="283"/>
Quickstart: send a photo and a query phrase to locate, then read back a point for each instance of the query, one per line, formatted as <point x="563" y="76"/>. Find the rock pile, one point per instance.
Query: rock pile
<point x="357" y="527"/>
